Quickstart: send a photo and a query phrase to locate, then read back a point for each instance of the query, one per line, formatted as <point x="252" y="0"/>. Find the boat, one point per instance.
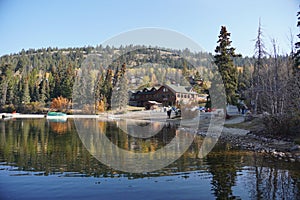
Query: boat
<point x="56" y="115"/>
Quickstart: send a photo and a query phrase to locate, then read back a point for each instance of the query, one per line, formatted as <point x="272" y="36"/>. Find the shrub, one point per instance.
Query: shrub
<point x="101" y="106"/>
<point x="8" y="108"/>
<point x="60" y="104"/>
<point x="281" y="124"/>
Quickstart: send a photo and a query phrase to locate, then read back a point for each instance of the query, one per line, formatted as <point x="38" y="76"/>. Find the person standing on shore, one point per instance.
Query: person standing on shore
<point x="169" y="110"/>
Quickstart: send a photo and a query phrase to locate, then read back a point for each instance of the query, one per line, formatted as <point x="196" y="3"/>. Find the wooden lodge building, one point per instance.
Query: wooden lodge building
<point x="167" y="94"/>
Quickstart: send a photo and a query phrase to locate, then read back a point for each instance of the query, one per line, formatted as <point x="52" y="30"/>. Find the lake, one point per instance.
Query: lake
<point x="41" y="159"/>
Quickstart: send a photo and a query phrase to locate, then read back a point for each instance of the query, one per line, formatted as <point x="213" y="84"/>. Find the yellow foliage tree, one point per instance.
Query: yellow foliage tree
<point x="101" y="106"/>
<point x="60" y="104"/>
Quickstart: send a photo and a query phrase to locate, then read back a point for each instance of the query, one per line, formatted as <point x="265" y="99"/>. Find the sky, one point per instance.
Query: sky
<point x="68" y="23"/>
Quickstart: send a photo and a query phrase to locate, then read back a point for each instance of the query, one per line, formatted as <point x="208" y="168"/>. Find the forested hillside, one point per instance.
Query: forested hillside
<point x="44" y="74"/>
<point x="32" y="79"/>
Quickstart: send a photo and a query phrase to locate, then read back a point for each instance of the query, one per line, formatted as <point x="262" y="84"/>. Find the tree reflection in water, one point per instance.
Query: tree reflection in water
<point x="53" y="147"/>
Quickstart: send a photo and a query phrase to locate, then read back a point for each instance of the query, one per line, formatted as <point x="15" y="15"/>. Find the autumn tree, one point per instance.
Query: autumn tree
<point x="60" y="104"/>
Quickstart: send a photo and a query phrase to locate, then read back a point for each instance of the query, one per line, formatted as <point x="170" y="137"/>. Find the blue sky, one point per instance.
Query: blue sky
<point x="58" y="23"/>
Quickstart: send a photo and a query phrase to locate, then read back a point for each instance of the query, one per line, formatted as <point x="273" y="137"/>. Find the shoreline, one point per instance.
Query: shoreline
<point x="236" y="137"/>
<point x="274" y="147"/>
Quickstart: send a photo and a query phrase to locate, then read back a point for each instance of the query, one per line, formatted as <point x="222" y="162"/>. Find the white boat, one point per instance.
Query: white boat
<point x="6" y="116"/>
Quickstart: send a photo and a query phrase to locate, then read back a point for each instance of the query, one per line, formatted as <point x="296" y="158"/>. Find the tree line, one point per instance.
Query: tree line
<point x="32" y="79"/>
<point x="270" y="88"/>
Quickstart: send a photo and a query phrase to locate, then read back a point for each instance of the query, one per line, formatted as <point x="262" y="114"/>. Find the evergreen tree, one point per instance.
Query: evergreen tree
<point x="123" y="93"/>
<point x="78" y="91"/>
<point x="224" y="61"/>
<point x="297" y="45"/>
<point x="51" y="83"/>
<point x="36" y="95"/>
<point x="294" y="93"/>
<point x="10" y="95"/>
<point x="98" y="86"/>
<point x="25" y="98"/>
<point x="6" y="81"/>
<point x="119" y="99"/>
<point x="58" y="76"/>
<point x="244" y="77"/>
<point x="18" y="92"/>
<point x="83" y="88"/>
<point x="67" y="82"/>
<point x="43" y="91"/>
<point x="107" y="88"/>
<point x="116" y="77"/>
<point x="33" y="80"/>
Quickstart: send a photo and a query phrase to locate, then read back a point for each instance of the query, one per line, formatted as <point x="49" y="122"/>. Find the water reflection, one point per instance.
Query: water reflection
<point x="140" y="128"/>
<point x="124" y="152"/>
<point x="48" y="148"/>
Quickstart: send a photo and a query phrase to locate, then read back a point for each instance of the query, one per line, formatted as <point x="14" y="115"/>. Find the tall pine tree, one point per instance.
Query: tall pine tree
<point x="120" y="98"/>
<point x="25" y="98"/>
<point x="297" y="45"/>
<point x="67" y="82"/>
<point x="107" y="88"/>
<point x="224" y="62"/>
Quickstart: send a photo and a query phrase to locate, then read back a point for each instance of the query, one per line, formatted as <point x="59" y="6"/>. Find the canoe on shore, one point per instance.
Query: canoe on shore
<point x="56" y="115"/>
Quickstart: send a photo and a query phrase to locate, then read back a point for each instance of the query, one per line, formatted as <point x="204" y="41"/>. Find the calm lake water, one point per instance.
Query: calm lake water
<point x="40" y="159"/>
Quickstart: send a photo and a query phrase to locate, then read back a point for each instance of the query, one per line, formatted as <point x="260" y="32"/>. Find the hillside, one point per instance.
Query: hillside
<point x="44" y="74"/>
